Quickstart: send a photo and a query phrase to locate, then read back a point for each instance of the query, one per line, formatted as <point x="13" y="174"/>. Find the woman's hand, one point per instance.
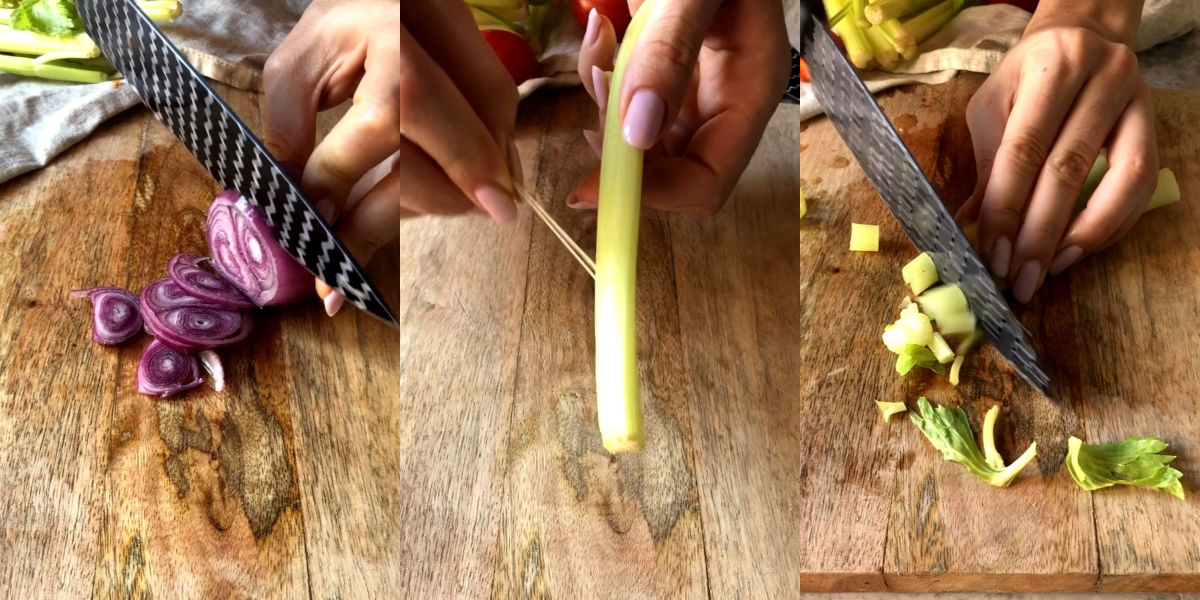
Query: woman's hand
<point x="699" y="89"/>
<point x="1069" y="88"/>
<point x="430" y="130"/>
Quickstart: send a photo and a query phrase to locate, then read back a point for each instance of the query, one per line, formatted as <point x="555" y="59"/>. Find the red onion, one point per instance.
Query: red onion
<point x="212" y="363"/>
<point x="164" y="294"/>
<point x="115" y="315"/>
<point x="164" y="371"/>
<point x="196" y="328"/>
<point x="245" y="252"/>
<point x="187" y="273"/>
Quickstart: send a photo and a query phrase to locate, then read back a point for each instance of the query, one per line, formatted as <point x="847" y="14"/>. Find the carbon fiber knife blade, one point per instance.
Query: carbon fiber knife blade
<point x="214" y="134"/>
<point x="910" y="196"/>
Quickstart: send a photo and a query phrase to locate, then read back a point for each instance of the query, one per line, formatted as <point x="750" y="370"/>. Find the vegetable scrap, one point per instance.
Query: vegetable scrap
<point x="864" y="237"/>
<point x="890" y="408"/>
<point x="948" y="429"/>
<point x="1133" y="461"/>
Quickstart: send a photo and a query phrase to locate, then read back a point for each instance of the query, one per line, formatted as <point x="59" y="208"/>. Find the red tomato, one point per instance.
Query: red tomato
<point x="617" y="11"/>
<point x="514" y="52"/>
<point x="1029" y="5"/>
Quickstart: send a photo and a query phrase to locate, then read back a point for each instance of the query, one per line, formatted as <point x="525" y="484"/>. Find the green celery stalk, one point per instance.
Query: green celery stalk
<point x="161" y="10"/>
<point x="28" y="42"/>
<point x="858" y="49"/>
<point x="26" y="67"/>
<point x="881" y="47"/>
<point x="882" y="10"/>
<point x="930" y="20"/>
<point x="904" y="44"/>
<point x="618" y="401"/>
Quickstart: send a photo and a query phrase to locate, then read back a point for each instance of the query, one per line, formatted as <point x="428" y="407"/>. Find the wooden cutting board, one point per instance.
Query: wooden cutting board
<point x="459" y="456"/>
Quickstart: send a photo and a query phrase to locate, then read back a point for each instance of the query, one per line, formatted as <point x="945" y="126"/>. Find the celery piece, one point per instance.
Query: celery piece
<point x="1099" y="168"/>
<point x="161" y="10"/>
<point x="618" y="402"/>
<point x="956" y="324"/>
<point x="943" y="301"/>
<point x="941" y="350"/>
<point x="948" y="429"/>
<point x="864" y="238"/>
<point x="990" y="454"/>
<point x="881" y="47"/>
<point x="36" y="44"/>
<point x="902" y="42"/>
<point x="803" y="205"/>
<point x="956" y="369"/>
<point x="882" y="10"/>
<point x="969" y="342"/>
<point x="920" y="273"/>
<point x="912" y="356"/>
<point x="858" y="50"/>
<point x="910" y="330"/>
<point x="1132" y="461"/>
<point x="930" y="20"/>
<point x="1166" y="192"/>
<point x="28" y="67"/>
<point x="890" y="408"/>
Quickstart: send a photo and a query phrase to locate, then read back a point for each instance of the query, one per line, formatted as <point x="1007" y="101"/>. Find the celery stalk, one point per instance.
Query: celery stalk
<point x="28" y="42"/>
<point x="27" y="67"/>
<point x="1166" y="192"/>
<point x="990" y="453"/>
<point x="932" y="19"/>
<point x="901" y="41"/>
<point x="858" y="49"/>
<point x="881" y="47"/>
<point x="618" y="403"/>
<point x="882" y="10"/>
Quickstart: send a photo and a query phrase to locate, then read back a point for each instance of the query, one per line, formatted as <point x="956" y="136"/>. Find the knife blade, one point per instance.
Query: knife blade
<point x="910" y="196"/>
<point x="214" y="134"/>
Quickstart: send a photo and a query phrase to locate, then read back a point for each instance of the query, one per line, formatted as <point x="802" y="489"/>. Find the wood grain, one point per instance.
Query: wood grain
<point x="457" y="457"/>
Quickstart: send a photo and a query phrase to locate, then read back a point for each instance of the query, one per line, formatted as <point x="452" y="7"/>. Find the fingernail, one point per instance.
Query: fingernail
<point x="644" y="119"/>
<point x="600" y="85"/>
<point x="497" y="203"/>
<point x="514" y="163"/>
<point x="1001" y="255"/>
<point x="572" y="202"/>
<point x="593" y="28"/>
<point x="595" y="140"/>
<point x="1066" y="257"/>
<point x="327" y="209"/>
<point x="1028" y="280"/>
<point x="333" y="302"/>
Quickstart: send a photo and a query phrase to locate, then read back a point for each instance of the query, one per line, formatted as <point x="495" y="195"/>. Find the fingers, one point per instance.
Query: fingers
<point x="1096" y="111"/>
<point x="987" y="112"/>
<point x="1047" y="87"/>
<point x="1122" y="195"/>
<point x="660" y="69"/>
<point x="597" y="52"/>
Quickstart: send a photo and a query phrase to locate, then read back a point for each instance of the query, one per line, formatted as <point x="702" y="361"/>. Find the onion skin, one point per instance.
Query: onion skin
<point x="211" y="287"/>
<point x="115" y="314"/>
<point x="164" y="371"/>
<point x="244" y="251"/>
<point x="212" y="364"/>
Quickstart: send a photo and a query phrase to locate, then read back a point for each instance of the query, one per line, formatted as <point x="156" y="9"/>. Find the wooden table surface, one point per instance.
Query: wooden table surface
<point x="458" y="457"/>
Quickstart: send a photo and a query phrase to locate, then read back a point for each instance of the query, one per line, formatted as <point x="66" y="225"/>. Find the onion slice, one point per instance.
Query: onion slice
<point x="212" y="364"/>
<point x="201" y="283"/>
<point x="164" y="371"/>
<point x="244" y="251"/>
<point x="115" y="314"/>
<point x="196" y="328"/>
<point x="165" y="294"/>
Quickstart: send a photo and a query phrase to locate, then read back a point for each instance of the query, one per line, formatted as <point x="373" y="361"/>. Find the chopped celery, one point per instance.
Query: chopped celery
<point x="864" y="238"/>
<point x="803" y="205"/>
<point x="917" y="356"/>
<point x="943" y="302"/>
<point x="956" y="324"/>
<point x="618" y="401"/>
<point x="968" y="342"/>
<point x="920" y="273"/>
<point x="1132" y="461"/>
<point x="956" y="369"/>
<point x="990" y="454"/>
<point x="912" y="330"/>
<point x="949" y="431"/>
<point x="890" y="408"/>
<point x="941" y="350"/>
<point x="1166" y="192"/>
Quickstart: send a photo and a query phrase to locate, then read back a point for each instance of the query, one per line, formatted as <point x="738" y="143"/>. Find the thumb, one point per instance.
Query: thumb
<point x="661" y="67"/>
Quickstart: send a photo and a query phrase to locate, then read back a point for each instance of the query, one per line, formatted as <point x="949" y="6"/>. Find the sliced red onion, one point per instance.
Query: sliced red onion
<point x="201" y="283"/>
<point x="245" y="252"/>
<point x="115" y="315"/>
<point x="164" y="371"/>
<point x="165" y="294"/>
<point x="212" y="363"/>
<point x="196" y="328"/>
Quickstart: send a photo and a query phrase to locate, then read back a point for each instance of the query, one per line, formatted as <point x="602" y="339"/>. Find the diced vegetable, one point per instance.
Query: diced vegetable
<point x="948" y="429"/>
<point x="890" y="408"/>
<point x="115" y="314"/>
<point x="969" y="342"/>
<point x="943" y="302"/>
<point x="990" y="454"/>
<point x="803" y="205"/>
<point x="618" y="403"/>
<point x="941" y="349"/>
<point x="864" y="238"/>
<point x="956" y="324"/>
<point x="956" y="369"/>
<point x="1166" y="192"/>
<point x="920" y="273"/>
<point x="1133" y="461"/>
<point x="912" y="356"/>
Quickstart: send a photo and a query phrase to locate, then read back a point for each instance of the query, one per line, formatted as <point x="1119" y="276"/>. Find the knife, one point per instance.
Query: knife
<point x="214" y="134"/>
<point x="909" y="195"/>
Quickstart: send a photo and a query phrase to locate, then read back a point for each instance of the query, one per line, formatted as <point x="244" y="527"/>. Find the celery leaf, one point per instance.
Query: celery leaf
<point x="57" y="18"/>
<point x="1132" y="461"/>
<point x="913" y="355"/>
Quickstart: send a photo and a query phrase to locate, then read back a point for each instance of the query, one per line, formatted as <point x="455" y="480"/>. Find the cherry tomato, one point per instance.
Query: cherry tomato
<point x="617" y="11"/>
<point x="514" y="52"/>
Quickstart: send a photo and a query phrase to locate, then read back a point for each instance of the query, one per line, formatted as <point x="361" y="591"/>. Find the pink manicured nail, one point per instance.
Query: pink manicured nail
<point x="644" y="119"/>
<point x="1067" y="257"/>
<point x="593" y="28"/>
<point x="333" y="302"/>
<point x="595" y="140"/>
<point x="600" y="86"/>
<point x="497" y="203"/>
<point x="1028" y="281"/>
<point x="1001" y="255"/>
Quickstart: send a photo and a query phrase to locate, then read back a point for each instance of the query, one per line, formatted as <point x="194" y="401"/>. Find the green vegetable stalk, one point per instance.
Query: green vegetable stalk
<point x="949" y="431"/>
<point x="618" y="402"/>
<point x="1133" y="461"/>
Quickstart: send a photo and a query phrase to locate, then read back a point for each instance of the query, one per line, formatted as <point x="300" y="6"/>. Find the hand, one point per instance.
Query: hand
<point x="699" y="89"/>
<point x="1070" y="87"/>
<point x="431" y="126"/>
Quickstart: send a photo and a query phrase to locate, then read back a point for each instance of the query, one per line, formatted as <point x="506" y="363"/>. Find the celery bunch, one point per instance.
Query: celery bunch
<point x="881" y="32"/>
<point x="46" y="39"/>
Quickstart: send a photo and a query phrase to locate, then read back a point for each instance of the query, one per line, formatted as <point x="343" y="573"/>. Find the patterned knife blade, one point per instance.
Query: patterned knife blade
<point x="213" y="133"/>
<point x="910" y="196"/>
